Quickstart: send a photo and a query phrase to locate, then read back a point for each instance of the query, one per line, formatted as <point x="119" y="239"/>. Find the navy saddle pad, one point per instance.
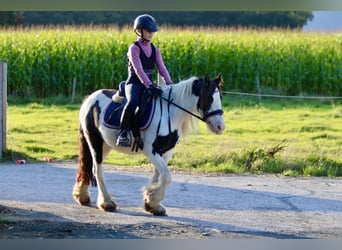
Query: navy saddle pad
<point x="114" y="110"/>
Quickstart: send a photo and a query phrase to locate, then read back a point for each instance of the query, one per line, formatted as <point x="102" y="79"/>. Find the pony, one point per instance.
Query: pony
<point x="180" y="106"/>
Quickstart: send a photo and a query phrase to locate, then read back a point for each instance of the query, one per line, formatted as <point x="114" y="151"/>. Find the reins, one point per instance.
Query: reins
<point x="203" y="119"/>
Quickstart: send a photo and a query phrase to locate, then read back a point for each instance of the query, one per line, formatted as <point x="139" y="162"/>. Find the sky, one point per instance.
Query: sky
<point x="325" y="21"/>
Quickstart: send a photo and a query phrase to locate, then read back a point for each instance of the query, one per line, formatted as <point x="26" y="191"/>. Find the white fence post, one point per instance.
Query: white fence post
<point x="3" y="105"/>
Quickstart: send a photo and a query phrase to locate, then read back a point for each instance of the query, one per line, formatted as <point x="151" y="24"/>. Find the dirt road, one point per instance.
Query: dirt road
<point x="36" y="202"/>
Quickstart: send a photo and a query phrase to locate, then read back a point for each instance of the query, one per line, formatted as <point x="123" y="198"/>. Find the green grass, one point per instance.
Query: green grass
<point x="286" y="137"/>
<point x="36" y="131"/>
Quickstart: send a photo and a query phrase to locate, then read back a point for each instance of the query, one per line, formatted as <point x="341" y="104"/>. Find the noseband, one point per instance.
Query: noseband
<point x="212" y="113"/>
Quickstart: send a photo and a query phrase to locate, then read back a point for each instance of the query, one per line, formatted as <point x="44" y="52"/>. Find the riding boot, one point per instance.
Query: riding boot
<point x="124" y="138"/>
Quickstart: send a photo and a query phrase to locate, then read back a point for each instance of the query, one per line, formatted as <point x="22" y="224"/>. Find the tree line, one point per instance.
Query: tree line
<point x="264" y="19"/>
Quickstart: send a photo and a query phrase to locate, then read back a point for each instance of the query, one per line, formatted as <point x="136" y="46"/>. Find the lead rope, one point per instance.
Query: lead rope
<point x="161" y="114"/>
<point x="168" y="110"/>
<point x="203" y="119"/>
<point x="180" y="107"/>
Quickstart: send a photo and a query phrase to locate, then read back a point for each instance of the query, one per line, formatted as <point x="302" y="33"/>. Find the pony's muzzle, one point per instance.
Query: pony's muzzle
<point x="216" y="124"/>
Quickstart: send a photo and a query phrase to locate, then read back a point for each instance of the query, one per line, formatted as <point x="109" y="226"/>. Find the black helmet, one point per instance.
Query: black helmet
<point x="145" y="22"/>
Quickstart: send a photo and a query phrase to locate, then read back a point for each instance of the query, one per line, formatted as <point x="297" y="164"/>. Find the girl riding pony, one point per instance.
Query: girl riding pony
<point x="143" y="56"/>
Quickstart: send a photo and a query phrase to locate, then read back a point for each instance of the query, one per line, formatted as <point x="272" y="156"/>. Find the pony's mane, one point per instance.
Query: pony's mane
<point x="183" y="91"/>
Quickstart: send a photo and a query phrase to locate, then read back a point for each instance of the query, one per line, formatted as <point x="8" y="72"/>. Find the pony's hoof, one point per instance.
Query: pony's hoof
<point x="159" y="211"/>
<point x="85" y="201"/>
<point x="81" y="195"/>
<point x="107" y="206"/>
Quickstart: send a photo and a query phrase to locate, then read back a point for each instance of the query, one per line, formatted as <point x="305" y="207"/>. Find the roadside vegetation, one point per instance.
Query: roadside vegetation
<point x="289" y="137"/>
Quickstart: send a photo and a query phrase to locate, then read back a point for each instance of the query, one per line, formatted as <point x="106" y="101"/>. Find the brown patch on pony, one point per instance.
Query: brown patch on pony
<point x="84" y="172"/>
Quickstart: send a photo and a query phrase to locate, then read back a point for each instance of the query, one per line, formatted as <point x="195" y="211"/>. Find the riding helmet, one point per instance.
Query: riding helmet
<point x="145" y="22"/>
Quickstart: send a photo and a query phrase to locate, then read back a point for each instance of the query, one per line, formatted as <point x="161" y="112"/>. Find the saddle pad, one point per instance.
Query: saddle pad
<point x="114" y="110"/>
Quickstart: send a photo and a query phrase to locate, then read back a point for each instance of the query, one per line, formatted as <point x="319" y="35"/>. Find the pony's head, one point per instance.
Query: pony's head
<point x="209" y="103"/>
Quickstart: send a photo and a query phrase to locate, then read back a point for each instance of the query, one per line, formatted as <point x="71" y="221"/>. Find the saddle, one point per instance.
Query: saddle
<point x="143" y="114"/>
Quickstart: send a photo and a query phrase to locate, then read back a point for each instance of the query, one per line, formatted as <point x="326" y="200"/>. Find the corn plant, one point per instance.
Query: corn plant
<point x="44" y="61"/>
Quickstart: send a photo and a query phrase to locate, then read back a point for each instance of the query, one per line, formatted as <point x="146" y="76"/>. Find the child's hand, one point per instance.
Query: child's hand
<point x="155" y="90"/>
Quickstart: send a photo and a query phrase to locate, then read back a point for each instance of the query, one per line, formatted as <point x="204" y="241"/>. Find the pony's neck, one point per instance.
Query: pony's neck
<point x="182" y="96"/>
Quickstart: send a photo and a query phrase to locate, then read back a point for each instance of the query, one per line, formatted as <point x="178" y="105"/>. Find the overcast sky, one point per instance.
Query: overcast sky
<point x="325" y="21"/>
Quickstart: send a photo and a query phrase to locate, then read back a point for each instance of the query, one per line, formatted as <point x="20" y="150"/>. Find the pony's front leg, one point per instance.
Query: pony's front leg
<point x="155" y="192"/>
<point x="166" y="157"/>
<point x="105" y="202"/>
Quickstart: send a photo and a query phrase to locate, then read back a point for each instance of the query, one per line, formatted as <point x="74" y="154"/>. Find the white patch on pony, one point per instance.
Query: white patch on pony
<point x="216" y="123"/>
<point x="190" y="123"/>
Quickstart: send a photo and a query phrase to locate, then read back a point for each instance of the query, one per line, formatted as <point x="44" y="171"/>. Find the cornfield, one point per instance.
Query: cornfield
<point x="44" y="61"/>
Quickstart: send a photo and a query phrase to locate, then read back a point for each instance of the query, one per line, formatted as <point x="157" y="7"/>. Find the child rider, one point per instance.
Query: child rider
<point x="143" y="56"/>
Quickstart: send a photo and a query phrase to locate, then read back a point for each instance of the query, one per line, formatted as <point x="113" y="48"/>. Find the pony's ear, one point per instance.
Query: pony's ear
<point x="161" y="82"/>
<point x="206" y="78"/>
<point x="219" y="80"/>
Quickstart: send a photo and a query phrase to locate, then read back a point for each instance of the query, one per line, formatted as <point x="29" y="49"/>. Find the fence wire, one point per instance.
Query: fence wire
<point x="282" y="96"/>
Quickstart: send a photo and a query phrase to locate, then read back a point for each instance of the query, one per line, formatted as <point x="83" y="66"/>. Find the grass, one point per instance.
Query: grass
<point x="36" y="131"/>
<point x="275" y="136"/>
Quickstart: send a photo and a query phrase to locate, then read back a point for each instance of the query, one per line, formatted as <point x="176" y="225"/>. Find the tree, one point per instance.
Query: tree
<point x="7" y="17"/>
<point x="286" y="19"/>
<point x="289" y="19"/>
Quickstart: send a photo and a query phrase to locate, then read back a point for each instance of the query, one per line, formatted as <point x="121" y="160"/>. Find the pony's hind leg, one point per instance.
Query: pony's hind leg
<point x="81" y="194"/>
<point x="80" y="191"/>
<point x="84" y="174"/>
<point x="105" y="201"/>
<point x="92" y="151"/>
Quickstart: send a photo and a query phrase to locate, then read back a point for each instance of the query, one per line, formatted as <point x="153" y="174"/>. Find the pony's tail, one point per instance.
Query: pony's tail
<point x="85" y="161"/>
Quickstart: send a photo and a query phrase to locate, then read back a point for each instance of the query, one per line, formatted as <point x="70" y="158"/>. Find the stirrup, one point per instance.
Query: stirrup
<point x="123" y="139"/>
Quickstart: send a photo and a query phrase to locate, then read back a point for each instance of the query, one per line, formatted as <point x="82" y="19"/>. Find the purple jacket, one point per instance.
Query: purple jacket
<point x="133" y="56"/>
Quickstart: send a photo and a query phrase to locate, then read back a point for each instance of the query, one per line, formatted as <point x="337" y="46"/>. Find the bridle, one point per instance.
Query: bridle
<point x="206" y="114"/>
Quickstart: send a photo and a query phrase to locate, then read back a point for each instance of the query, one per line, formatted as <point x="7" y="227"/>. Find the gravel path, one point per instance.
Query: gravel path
<point x="36" y="202"/>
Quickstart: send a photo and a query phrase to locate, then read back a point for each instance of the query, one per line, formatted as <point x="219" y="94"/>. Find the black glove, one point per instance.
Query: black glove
<point x="155" y="90"/>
